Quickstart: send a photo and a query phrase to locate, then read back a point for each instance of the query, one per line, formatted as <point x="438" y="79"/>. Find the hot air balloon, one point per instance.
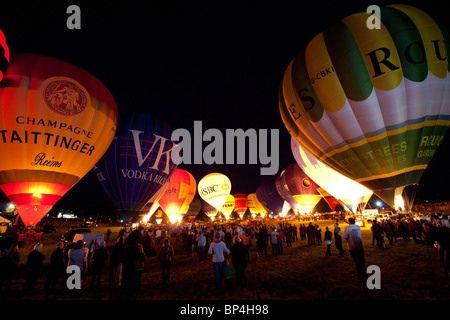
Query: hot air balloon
<point x="354" y="195"/>
<point x="302" y="189"/>
<point x="255" y="206"/>
<point x="137" y="164"/>
<point x="158" y="215"/>
<point x="286" y="194"/>
<point x="180" y="191"/>
<point x="214" y="189"/>
<point x="268" y="196"/>
<point x="241" y="204"/>
<point x="209" y="210"/>
<point x="332" y="201"/>
<point x="154" y="203"/>
<point x="228" y="206"/>
<point x="57" y="121"/>
<point x="4" y="55"/>
<point x="194" y="208"/>
<point x="372" y="103"/>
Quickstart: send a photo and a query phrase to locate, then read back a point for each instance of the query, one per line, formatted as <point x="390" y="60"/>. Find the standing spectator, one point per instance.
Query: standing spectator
<point x="21" y="239"/>
<point x="38" y="236"/>
<point x="280" y="240"/>
<point x="194" y="246"/>
<point x="265" y="236"/>
<point x="131" y="257"/>
<point x="260" y="243"/>
<point x="436" y="236"/>
<point x="78" y="256"/>
<point x="165" y="258"/>
<point x="412" y="228"/>
<point x="108" y="234"/>
<point x="139" y="267"/>
<point x="30" y="234"/>
<point x="228" y="238"/>
<point x="311" y="233"/>
<point x="328" y="239"/>
<point x="355" y="246"/>
<point x="377" y="234"/>
<point x="99" y="259"/>
<point x="10" y="264"/>
<point x="288" y="235"/>
<point x="403" y="230"/>
<point x="189" y="241"/>
<point x="34" y="263"/>
<point x="303" y="232"/>
<point x="239" y="262"/>
<point x="246" y="241"/>
<point x="227" y="273"/>
<point x="115" y="264"/>
<point x="394" y="227"/>
<point x="274" y="241"/>
<point x="201" y="241"/>
<point x="387" y="229"/>
<point x="217" y="248"/>
<point x="318" y="234"/>
<point x="294" y="233"/>
<point x="338" y="239"/>
<point x="57" y="268"/>
<point x="146" y="242"/>
<point x="419" y="230"/>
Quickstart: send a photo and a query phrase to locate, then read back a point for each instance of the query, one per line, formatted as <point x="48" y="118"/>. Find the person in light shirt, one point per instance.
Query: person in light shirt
<point x="352" y="235"/>
<point x="217" y="248"/>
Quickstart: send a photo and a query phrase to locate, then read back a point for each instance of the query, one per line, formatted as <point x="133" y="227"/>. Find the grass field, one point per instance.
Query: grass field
<point x="409" y="271"/>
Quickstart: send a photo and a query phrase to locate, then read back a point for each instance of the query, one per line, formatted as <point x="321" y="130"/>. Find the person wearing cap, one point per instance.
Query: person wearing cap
<point x="217" y="248"/>
<point x="100" y="257"/>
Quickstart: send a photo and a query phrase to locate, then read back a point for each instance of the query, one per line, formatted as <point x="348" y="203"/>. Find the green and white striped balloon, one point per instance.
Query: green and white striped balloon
<point x="373" y="104"/>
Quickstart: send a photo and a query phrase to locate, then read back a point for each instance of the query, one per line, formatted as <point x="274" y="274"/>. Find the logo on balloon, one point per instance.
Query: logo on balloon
<point x="306" y="183"/>
<point x="64" y="96"/>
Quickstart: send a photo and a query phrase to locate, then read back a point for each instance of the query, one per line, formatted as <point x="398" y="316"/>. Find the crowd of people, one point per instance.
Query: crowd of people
<point x="443" y="206"/>
<point x="227" y="246"/>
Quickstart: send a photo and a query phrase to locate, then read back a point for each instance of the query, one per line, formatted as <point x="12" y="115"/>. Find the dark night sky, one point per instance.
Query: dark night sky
<point x="182" y="61"/>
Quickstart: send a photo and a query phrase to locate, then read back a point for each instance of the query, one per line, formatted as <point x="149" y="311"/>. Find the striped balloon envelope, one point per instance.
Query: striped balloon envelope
<point x="241" y="204"/>
<point x="56" y="122"/>
<point x="373" y="104"/>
